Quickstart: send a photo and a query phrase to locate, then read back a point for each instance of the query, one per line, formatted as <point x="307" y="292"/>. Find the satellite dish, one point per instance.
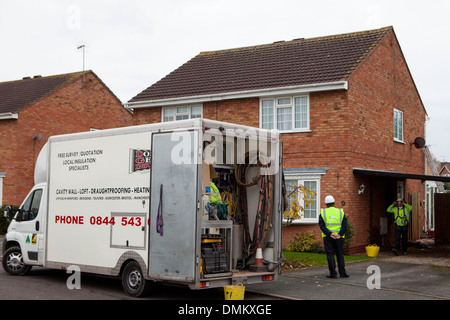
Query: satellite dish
<point x="419" y="143"/>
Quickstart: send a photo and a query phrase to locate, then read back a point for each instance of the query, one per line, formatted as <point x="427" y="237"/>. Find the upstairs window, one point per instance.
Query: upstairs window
<point x="285" y="113"/>
<point x="398" y="125"/>
<point x="181" y="113"/>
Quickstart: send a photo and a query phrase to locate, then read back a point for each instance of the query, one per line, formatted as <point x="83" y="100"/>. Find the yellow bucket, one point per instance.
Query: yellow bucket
<point x="372" y="250"/>
<point x="234" y="292"/>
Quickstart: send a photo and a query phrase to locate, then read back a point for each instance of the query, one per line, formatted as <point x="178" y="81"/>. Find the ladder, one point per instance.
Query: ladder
<point x="432" y="164"/>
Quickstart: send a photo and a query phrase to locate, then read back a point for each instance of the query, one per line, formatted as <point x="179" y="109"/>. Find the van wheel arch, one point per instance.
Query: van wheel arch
<point x="10" y="244"/>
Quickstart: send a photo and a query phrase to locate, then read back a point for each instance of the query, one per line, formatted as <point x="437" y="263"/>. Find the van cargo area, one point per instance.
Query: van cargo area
<point x="192" y="202"/>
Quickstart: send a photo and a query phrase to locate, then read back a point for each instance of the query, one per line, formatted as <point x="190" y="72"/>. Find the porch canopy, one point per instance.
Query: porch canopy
<point x="399" y="175"/>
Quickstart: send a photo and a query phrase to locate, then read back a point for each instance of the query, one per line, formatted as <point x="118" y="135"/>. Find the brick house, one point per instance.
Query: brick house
<point x="33" y="109"/>
<point x="347" y="107"/>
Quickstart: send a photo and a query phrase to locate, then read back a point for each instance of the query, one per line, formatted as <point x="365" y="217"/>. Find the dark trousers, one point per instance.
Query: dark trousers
<point x="401" y="233"/>
<point x="333" y="247"/>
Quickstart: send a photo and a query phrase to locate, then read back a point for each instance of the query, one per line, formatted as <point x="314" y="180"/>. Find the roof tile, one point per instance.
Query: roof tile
<point x="276" y="65"/>
<point x="16" y="95"/>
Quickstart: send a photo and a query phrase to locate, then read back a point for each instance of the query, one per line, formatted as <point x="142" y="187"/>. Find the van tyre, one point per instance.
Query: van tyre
<point x="13" y="262"/>
<point x="133" y="281"/>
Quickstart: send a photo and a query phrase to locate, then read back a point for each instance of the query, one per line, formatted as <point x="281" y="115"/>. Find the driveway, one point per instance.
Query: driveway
<point x="397" y="281"/>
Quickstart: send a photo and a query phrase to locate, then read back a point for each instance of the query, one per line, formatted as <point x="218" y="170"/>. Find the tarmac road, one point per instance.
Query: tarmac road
<point x="50" y="284"/>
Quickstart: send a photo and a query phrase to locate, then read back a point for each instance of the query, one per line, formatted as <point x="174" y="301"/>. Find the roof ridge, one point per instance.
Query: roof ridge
<point x="13" y="101"/>
<point x="356" y="33"/>
<point x="296" y="40"/>
<point x="73" y="74"/>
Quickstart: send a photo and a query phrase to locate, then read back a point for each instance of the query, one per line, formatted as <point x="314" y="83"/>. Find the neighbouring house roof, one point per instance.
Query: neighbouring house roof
<point x="445" y="168"/>
<point x="281" y="64"/>
<point x="19" y="94"/>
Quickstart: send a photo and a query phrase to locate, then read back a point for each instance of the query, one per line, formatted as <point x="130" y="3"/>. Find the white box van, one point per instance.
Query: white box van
<point x="136" y="202"/>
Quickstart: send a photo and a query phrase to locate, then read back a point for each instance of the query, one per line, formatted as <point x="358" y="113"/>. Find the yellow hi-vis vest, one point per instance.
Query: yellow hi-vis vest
<point x="333" y="219"/>
<point x="401" y="216"/>
<point x="215" y="194"/>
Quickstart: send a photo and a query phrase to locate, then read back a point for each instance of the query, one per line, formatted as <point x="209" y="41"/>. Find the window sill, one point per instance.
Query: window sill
<point x="399" y="141"/>
<point x="303" y="223"/>
<point x="295" y="131"/>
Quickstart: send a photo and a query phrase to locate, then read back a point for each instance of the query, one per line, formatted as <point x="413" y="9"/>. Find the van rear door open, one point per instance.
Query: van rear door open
<point x="173" y="217"/>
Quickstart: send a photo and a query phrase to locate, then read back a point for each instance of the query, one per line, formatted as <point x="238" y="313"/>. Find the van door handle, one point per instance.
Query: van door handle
<point x="37" y="225"/>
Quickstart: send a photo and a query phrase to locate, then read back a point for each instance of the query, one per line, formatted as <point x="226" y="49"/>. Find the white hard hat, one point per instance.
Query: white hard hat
<point x="329" y="199"/>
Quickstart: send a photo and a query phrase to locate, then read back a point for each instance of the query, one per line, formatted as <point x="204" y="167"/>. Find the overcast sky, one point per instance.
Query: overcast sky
<point x="132" y="44"/>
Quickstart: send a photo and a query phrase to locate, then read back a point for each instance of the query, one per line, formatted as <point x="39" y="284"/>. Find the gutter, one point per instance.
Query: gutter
<point x="329" y="86"/>
<point x="399" y="175"/>
<point x="9" y="115"/>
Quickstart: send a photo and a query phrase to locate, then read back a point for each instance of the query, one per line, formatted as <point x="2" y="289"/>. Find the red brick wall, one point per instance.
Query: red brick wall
<point x="75" y="108"/>
<point x="355" y="129"/>
<point x="381" y="84"/>
<point x="234" y="111"/>
<point x="239" y="111"/>
<point x="147" y="115"/>
<point x="325" y="146"/>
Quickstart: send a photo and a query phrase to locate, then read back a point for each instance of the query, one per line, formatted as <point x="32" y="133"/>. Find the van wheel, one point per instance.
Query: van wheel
<point x="133" y="281"/>
<point x="13" y="262"/>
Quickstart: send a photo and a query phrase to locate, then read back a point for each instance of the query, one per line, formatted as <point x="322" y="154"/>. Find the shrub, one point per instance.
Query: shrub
<point x="349" y="233"/>
<point x="304" y="243"/>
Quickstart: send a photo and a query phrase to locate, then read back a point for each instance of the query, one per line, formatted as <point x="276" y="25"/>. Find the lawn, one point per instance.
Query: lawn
<point x="300" y="260"/>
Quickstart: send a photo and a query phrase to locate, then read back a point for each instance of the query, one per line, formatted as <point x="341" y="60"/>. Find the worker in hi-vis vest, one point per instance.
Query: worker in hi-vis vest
<point x="402" y="213"/>
<point x="333" y="223"/>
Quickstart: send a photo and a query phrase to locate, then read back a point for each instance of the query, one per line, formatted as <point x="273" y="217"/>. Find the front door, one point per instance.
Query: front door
<point x="173" y="212"/>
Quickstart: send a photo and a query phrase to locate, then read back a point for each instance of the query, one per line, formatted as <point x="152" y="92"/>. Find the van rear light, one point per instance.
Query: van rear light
<point x="267" y="278"/>
<point x="204" y="284"/>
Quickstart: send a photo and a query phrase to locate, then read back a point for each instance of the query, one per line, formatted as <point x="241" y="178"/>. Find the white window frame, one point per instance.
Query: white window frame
<point x="277" y="106"/>
<point x="399" y="131"/>
<point x="301" y="178"/>
<point x="431" y="189"/>
<point x="176" y="113"/>
<point x="400" y="189"/>
<point x="2" y="175"/>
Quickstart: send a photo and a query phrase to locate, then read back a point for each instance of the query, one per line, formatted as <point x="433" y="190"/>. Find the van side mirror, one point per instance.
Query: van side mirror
<point x="11" y="212"/>
<point x="8" y="214"/>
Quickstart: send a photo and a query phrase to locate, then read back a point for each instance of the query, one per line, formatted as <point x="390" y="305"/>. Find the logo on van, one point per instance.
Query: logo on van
<point x="140" y="160"/>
